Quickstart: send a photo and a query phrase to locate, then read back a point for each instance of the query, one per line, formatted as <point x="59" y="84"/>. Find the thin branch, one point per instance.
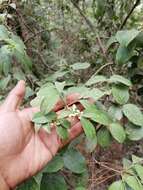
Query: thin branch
<point x="102" y="67"/>
<point x="129" y="14"/>
<point x="107" y="167"/>
<point x="41" y="57"/>
<point x="89" y="23"/>
<point x="106" y="179"/>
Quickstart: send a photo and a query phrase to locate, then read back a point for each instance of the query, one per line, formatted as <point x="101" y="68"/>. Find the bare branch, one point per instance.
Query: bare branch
<point x="129" y="14"/>
<point x="89" y="23"/>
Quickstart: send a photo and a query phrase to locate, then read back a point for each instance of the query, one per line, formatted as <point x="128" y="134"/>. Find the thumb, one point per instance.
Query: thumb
<point x="15" y="97"/>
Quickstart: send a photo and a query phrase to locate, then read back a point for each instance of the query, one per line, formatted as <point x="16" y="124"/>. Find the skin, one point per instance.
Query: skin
<point x="23" y="152"/>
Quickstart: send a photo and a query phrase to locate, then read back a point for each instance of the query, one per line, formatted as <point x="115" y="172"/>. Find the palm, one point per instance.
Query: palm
<point x="24" y="152"/>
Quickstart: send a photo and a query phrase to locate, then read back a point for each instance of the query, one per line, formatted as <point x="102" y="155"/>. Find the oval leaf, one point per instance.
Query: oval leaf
<point x="74" y="161"/>
<point x="117" y="132"/>
<point x="53" y="182"/>
<point x="79" y="66"/>
<point x="118" y="185"/>
<point x="55" y="165"/>
<point x="96" y="79"/>
<point x="133" y="113"/>
<point x="133" y="182"/>
<point x="120" y="79"/>
<point x="103" y="137"/>
<point x="126" y="36"/>
<point x="97" y="115"/>
<point x="120" y="94"/>
<point x="88" y="128"/>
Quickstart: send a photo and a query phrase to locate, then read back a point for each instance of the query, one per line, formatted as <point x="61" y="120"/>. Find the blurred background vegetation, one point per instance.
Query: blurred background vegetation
<point x="70" y="40"/>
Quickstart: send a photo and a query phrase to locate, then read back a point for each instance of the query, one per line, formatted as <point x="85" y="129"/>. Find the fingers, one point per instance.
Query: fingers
<point x="15" y="97"/>
<point x="71" y="99"/>
<point x="28" y="113"/>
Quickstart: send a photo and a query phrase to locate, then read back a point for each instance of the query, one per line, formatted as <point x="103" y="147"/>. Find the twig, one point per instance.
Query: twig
<point x="107" y="167"/>
<point x="102" y="67"/>
<point x="129" y="14"/>
<point x="107" y="178"/>
<point x="89" y="23"/>
<point x="41" y="57"/>
<point x="23" y="21"/>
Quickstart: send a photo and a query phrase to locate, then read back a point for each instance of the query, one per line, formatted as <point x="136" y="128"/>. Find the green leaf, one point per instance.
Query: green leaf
<point x="79" y="89"/>
<point x="88" y="128"/>
<point x="62" y="132"/>
<point x="95" y="93"/>
<point x="52" y="116"/>
<point x="117" y="132"/>
<point x="4" y="82"/>
<point x="46" y="89"/>
<point x="6" y="59"/>
<point x="123" y="55"/>
<point x="29" y="93"/>
<point x="49" y="102"/>
<point x="80" y="66"/>
<point x="30" y="184"/>
<point x="74" y="161"/>
<point x="55" y="165"/>
<point x="137" y="161"/>
<point x="132" y="182"/>
<point x="134" y="132"/>
<point x="19" y="45"/>
<point x="101" y="6"/>
<point x="118" y="185"/>
<point x="65" y="123"/>
<point x="47" y="127"/>
<point x="111" y="41"/>
<point x="24" y="59"/>
<point x="80" y="188"/>
<point x="36" y="102"/>
<point x="90" y="144"/>
<point x="53" y="182"/>
<point x="120" y="79"/>
<point x="64" y="113"/>
<point x="18" y="74"/>
<point x="85" y="103"/>
<point x="139" y="40"/>
<point x="104" y="138"/>
<point x="120" y="94"/>
<point x="127" y="165"/>
<point x="139" y="170"/>
<point x="97" y="115"/>
<point x="39" y="118"/>
<point x="125" y="37"/>
<point x="60" y="86"/>
<point x="115" y="112"/>
<point x="96" y="79"/>
<point x="4" y="34"/>
<point x="133" y="113"/>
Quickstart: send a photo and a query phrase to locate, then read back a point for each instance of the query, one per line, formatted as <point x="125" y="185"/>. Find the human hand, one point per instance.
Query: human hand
<point x="22" y="151"/>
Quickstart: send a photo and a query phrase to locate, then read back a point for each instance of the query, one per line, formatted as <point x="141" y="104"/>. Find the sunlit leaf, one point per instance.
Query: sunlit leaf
<point x="133" y="113"/>
<point x="120" y="94"/>
<point x="88" y="128"/>
<point x="118" y="132"/>
<point x="125" y="37"/>
<point x="80" y="66"/>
